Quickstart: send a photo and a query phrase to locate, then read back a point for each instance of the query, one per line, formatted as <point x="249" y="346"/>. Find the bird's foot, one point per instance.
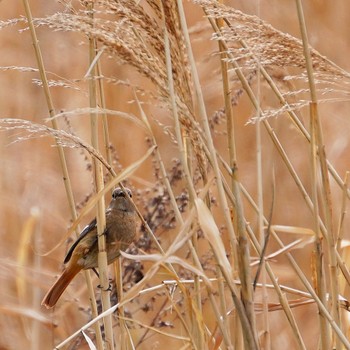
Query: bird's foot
<point x="108" y="289"/>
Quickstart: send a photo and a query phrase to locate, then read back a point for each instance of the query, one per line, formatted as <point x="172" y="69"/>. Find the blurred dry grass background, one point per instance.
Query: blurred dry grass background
<point x="34" y="211"/>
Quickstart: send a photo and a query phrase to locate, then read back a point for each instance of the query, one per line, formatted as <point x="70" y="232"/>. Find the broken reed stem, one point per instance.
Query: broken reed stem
<point x="62" y="158"/>
<point x="318" y="252"/>
<point x="99" y="184"/>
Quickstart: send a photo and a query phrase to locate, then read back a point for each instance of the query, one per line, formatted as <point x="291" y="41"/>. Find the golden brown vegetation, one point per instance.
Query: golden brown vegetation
<point x="233" y="136"/>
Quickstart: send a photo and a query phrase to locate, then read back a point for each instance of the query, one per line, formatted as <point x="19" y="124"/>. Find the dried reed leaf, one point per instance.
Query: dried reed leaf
<point x="212" y="234"/>
<point x="89" y="341"/>
<point x="156" y="330"/>
<point x="345" y="243"/>
<point x="298" y="244"/>
<point x="170" y="259"/>
<point x="293" y="230"/>
<point x="85" y="111"/>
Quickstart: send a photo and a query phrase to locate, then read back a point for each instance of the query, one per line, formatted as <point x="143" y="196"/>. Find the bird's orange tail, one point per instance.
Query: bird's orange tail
<point x="60" y="286"/>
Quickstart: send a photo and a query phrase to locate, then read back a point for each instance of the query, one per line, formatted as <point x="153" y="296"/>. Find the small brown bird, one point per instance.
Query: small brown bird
<point x="82" y="255"/>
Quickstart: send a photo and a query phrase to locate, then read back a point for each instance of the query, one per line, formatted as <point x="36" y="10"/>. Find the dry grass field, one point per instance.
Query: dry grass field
<point x="229" y="121"/>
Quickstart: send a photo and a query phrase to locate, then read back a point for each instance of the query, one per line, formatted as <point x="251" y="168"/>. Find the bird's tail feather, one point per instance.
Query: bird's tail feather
<point x="60" y="286"/>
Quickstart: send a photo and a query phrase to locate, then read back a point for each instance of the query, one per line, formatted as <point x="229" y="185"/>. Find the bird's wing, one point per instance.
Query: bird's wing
<point x="86" y="230"/>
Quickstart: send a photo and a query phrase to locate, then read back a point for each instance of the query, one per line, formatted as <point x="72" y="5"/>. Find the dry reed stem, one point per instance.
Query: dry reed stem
<point x="317" y="138"/>
<point x="232" y="149"/>
<point x="99" y="184"/>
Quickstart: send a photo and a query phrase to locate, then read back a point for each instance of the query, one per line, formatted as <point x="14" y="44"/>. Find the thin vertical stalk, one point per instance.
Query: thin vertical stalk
<point x="318" y="139"/>
<point x="98" y="179"/>
<point x="118" y="273"/>
<point x="29" y="231"/>
<point x="50" y="106"/>
<point x="266" y="338"/>
<point x="35" y="328"/>
<point x="62" y="158"/>
<point x="123" y="338"/>
<point x="230" y="127"/>
<point x="106" y="138"/>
